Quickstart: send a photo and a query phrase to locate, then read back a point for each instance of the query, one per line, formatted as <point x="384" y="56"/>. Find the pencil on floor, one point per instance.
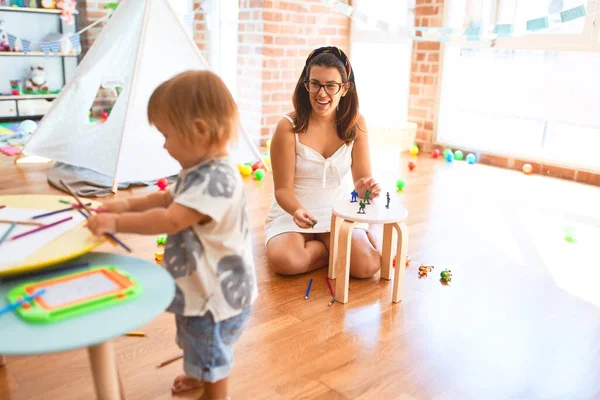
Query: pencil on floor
<point x="329" y="285"/>
<point x="135" y="334"/>
<point x="308" y="289"/>
<point x="169" y="361"/>
<point x="332" y="301"/>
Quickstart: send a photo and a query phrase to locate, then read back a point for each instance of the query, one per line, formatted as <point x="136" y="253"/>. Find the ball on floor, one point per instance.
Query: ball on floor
<point x="400" y="184"/>
<point x="471" y="158"/>
<point x="458" y="155"/>
<point x="527" y="169"/>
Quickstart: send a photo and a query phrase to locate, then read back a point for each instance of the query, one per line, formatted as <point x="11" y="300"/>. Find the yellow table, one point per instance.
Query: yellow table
<point x="71" y="244"/>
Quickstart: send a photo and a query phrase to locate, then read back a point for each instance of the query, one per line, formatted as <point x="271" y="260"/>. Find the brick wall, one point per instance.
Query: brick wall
<point x="425" y="72"/>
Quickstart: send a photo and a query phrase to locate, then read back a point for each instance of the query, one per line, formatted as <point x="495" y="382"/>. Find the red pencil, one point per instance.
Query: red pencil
<point x="329" y="284"/>
<point x="20" y="235"/>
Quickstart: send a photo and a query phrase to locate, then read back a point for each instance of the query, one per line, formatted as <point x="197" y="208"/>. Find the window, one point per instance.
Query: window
<point x="538" y="104"/>
<point x="382" y="62"/>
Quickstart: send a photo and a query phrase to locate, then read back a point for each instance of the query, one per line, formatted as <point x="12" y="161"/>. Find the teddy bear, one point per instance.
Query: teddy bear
<point x="37" y="80"/>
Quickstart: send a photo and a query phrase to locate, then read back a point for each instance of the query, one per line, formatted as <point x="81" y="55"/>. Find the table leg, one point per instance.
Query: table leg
<point x="104" y="369"/>
<point x="2" y="360"/>
<point x="401" y="252"/>
<point x="386" y="256"/>
<point x="336" y="223"/>
<point x="342" y="264"/>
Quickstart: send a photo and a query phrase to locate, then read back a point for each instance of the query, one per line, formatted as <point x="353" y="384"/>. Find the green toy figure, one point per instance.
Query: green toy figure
<point x="161" y="239"/>
<point x="446" y="275"/>
<point x="367" y="195"/>
<point x="361" y="209"/>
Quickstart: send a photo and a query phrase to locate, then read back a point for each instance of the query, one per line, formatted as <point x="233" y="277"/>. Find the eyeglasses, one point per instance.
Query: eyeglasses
<point x="331" y="88"/>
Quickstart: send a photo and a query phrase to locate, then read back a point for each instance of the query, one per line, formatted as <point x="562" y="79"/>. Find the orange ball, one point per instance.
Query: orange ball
<point x="527" y="169"/>
<point x="411" y="165"/>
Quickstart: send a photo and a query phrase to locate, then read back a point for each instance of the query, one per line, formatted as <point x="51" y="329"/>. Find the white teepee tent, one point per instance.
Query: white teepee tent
<point x="143" y="45"/>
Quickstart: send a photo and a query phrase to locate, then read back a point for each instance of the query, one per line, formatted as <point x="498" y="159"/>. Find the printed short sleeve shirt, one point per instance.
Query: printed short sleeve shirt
<point x="212" y="263"/>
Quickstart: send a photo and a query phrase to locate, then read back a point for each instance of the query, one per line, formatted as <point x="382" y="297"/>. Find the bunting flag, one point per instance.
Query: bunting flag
<point x="76" y="41"/>
<point x="55" y="46"/>
<point x="26" y="45"/>
<point x="12" y="39"/>
<point x="188" y="19"/>
<point x="471" y="33"/>
<point x="45" y="47"/>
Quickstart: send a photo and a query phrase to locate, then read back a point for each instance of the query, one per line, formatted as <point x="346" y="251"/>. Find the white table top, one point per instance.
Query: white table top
<point x="375" y="213"/>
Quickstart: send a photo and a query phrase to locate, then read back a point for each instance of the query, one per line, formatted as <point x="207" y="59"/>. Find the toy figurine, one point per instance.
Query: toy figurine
<point x="424" y="270"/>
<point x="361" y="209"/>
<point x="367" y="195"/>
<point x="354" y="196"/>
<point x="162" y="239"/>
<point x="387" y="196"/>
<point x="446" y="275"/>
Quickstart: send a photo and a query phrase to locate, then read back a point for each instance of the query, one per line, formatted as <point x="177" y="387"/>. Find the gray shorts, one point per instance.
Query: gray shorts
<point x="208" y="345"/>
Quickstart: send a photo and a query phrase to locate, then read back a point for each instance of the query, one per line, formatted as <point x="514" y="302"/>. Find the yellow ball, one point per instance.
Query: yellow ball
<point x="266" y="160"/>
<point x="246" y="170"/>
<point x="414" y="150"/>
<point x="268" y="143"/>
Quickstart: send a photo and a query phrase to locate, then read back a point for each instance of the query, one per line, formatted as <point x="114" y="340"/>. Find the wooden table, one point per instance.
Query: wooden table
<point x="343" y="220"/>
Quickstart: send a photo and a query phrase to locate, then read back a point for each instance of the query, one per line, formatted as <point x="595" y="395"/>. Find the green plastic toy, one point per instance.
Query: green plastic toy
<point x="446" y="275"/>
<point x="162" y="239"/>
<point x="75" y="294"/>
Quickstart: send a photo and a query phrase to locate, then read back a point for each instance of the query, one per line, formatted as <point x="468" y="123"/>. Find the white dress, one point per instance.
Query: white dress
<point x="318" y="183"/>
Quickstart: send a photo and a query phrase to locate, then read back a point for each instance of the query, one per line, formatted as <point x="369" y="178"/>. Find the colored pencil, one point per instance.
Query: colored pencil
<point x="169" y="361"/>
<point x="329" y="284"/>
<point x="110" y="235"/>
<point x="332" y="301"/>
<point x="135" y="334"/>
<point x="1" y="207"/>
<point x="21" y="222"/>
<point x="40" y="228"/>
<point x="25" y="299"/>
<point x="57" y="211"/>
<point x="308" y="289"/>
<point x="8" y="231"/>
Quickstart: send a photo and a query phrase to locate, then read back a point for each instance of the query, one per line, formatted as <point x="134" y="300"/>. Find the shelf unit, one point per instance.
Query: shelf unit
<point x="17" y="108"/>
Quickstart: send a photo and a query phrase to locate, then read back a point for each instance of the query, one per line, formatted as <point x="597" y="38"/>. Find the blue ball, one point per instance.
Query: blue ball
<point x="27" y="126"/>
<point x="449" y="157"/>
<point x="471" y="158"/>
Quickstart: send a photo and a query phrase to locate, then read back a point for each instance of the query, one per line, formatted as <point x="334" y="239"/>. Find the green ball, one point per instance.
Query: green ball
<point x="259" y="174"/>
<point x="458" y="155"/>
<point x="400" y="184"/>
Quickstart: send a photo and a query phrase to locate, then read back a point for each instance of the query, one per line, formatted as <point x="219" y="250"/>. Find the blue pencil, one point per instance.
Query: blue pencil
<point x="308" y="289"/>
<point x="19" y="303"/>
<point x="8" y="231"/>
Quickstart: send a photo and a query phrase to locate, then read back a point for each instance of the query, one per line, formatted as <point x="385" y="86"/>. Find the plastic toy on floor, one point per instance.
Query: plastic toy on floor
<point x="424" y="270"/>
<point x="446" y="276"/>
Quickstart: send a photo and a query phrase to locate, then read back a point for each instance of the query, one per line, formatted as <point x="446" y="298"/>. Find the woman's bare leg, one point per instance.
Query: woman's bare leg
<point x="294" y="253"/>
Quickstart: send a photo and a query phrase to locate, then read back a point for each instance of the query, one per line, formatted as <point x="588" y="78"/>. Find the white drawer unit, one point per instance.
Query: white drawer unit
<point x="8" y="108"/>
<point x="29" y="108"/>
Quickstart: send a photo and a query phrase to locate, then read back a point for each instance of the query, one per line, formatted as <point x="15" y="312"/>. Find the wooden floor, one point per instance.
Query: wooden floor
<point x="521" y="319"/>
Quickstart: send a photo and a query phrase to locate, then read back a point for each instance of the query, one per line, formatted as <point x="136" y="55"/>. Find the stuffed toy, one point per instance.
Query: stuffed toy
<point x="37" y="80"/>
<point x="48" y="3"/>
<point x="67" y="7"/>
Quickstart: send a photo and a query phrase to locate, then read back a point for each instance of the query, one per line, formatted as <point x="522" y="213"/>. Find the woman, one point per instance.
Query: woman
<point x="312" y="151"/>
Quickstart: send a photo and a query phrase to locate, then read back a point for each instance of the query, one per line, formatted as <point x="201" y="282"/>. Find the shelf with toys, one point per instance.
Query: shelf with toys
<point x="36" y="39"/>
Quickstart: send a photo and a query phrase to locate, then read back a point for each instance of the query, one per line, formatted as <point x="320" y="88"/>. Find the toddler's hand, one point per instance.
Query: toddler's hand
<point x="364" y="184"/>
<point x="115" y="206"/>
<point x="102" y="223"/>
<point x="304" y="219"/>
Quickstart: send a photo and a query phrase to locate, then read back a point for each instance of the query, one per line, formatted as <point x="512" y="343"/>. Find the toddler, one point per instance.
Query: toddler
<point x="208" y="250"/>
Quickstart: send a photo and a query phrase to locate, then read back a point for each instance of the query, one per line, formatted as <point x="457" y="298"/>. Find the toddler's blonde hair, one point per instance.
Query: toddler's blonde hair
<point x="196" y="96"/>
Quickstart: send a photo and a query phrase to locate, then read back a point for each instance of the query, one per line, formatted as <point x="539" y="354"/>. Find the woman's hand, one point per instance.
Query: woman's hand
<point x="304" y="219"/>
<point x="115" y="206"/>
<point x="364" y="184"/>
<point x="102" y="223"/>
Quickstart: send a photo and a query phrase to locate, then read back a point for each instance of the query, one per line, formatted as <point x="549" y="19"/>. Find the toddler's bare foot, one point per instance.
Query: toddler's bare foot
<point x="184" y="383"/>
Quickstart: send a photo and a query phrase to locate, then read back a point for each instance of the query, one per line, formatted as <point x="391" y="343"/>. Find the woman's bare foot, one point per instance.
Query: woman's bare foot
<point x="184" y="383"/>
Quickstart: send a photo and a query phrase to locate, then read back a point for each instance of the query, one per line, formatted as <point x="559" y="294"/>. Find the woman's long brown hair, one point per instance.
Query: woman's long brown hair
<point x="347" y="115"/>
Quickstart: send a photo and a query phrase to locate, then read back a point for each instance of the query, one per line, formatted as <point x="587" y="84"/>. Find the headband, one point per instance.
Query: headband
<point x="336" y="52"/>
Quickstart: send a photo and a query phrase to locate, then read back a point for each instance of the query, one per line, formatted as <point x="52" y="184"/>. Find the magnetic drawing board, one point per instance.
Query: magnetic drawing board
<point x="75" y="294"/>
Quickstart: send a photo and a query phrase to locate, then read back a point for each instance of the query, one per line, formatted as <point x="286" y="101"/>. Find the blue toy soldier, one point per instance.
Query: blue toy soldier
<point x="354" y="196"/>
